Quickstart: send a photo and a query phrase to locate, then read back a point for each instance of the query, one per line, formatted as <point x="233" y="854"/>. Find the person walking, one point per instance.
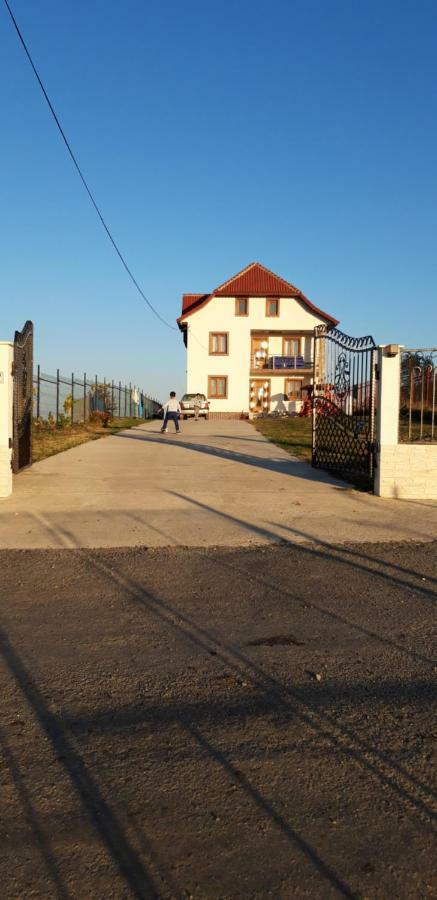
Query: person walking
<point x="196" y="404"/>
<point x="171" y="411"/>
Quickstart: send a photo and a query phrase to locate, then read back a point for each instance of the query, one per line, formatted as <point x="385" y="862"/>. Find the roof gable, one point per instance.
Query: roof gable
<point x="253" y="281"/>
<point x="256" y="281"/>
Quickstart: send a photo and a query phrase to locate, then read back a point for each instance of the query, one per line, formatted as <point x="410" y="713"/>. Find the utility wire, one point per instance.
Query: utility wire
<point x="81" y="176"/>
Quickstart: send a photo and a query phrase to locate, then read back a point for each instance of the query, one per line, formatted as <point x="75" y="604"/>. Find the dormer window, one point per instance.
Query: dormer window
<point x="272" y="307"/>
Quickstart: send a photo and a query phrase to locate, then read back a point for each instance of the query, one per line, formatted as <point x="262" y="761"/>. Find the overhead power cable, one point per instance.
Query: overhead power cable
<point x="81" y="175"/>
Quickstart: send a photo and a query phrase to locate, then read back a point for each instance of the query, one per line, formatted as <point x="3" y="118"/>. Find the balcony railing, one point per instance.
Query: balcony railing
<point x="288" y="363"/>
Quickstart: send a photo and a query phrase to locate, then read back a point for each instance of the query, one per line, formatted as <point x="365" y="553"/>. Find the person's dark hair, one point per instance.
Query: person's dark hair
<point x="172" y="393"/>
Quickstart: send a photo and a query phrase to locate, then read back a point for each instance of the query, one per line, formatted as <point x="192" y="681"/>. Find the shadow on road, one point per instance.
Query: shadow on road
<point x="285" y="465"/>
<point x="316" y="711"/>
<point x="95" y="806"/>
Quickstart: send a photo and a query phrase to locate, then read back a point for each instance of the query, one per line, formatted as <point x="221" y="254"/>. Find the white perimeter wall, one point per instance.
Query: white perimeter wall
<point x="408" y="472"/>
<point x="404" y="471"/>
<point x="6" y="397"/>
<point x="219" y="315"/>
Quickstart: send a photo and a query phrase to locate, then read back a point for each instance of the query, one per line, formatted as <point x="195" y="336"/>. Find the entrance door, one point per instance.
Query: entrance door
<point x="259" y="395"/>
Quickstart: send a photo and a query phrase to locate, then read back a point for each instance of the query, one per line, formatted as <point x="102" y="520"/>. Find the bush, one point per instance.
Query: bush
<point x="64" y="421"/>
<point x="41" y="424"/>
<point x="98" y="417"/>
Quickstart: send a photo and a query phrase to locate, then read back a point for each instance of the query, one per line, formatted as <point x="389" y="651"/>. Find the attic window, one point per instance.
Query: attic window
<point x="241" y="306"/>
<point x="272" y="307"/>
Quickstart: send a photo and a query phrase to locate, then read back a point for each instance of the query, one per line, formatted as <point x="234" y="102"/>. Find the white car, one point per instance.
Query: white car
<point x="187" y="405"/>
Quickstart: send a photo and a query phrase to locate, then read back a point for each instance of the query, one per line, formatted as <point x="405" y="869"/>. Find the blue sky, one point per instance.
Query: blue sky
<point x="302" y="135"/>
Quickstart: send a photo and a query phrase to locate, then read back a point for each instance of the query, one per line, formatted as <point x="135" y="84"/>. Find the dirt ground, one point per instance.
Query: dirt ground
<point x="241" y="723"/>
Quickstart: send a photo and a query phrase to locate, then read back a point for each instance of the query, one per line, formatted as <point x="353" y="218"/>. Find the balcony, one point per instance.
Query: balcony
<point x="278" y="364"/>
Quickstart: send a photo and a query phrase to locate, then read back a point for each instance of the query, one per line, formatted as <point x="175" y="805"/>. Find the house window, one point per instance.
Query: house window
<point x="272" y="307"/>
<point x="290" y="346"/>
<point x="217" y="387"/>
<point x="241" y="306"/>
<point x="293" y="388"/>
<point x="218" y="343"/>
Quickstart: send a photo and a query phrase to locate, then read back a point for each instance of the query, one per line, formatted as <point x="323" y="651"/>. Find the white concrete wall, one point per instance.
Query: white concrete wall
<point x="407" y="472"/>
<point x="219" y="315"/>
<point x="404" y="471"/>
<point x="6" y="399"/>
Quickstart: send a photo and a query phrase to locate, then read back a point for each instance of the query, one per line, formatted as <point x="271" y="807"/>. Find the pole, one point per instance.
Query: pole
<point x="112" y="397"/>
<point x="57" y="396"/>
<point x="96" y="402"/>
<point x="130" y="399"/>
<point x="72" y="398"/>
<point x="84" y="397"/>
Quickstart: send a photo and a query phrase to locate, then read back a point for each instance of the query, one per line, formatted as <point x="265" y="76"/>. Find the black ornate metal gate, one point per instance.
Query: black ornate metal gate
<point x="23" y="398"/>
<point x="344" y="403"/>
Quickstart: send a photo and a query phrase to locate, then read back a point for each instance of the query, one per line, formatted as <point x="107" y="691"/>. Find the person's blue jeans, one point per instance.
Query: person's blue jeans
<point x="171" y="417"/>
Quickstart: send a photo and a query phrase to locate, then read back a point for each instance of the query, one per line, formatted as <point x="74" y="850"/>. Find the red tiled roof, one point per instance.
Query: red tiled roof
<point x="257" y="281"/>
<point x="189" y="300"/>
<point x="253" y="281"/>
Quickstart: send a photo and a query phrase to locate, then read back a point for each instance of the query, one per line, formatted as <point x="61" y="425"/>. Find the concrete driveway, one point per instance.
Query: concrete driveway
<point x="218" y="483"/>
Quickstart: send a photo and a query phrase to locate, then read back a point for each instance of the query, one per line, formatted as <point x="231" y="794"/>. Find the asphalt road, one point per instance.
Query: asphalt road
<point x="241" y="723"/>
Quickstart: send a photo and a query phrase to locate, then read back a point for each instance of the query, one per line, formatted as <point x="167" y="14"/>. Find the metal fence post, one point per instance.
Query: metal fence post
<point x="84" y="397"/>
<point x="57" y="396"/>
<point x="119" y="399"/>
<point x="38" y="392"/>
<point x="96" y="402"/>
<point x="104" y="395"/>
<point x="130" y="399"/>
<point x="72" y="398"/>
<point x="112" y="397"/>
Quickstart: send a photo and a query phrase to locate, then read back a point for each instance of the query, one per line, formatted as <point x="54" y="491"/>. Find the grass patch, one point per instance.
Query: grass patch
<point x="48" y="441"/>
<point x="293" y="435"/>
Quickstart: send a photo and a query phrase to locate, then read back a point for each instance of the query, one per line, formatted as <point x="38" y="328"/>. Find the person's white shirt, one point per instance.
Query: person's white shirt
<point x="172" y="405"/>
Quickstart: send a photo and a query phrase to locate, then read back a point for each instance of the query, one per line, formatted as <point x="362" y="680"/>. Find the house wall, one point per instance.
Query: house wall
<point x="6" y="399"/>
<point x="219" y="315"/>
<point x="404" y="471"/>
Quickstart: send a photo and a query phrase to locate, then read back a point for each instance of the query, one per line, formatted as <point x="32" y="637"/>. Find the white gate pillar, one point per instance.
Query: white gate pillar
<point x="387" y="417"/>
<point x="6" y="401"/>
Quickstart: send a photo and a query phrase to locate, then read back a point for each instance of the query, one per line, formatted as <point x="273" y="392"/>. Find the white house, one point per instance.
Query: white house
<point x="250" y="343"/>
